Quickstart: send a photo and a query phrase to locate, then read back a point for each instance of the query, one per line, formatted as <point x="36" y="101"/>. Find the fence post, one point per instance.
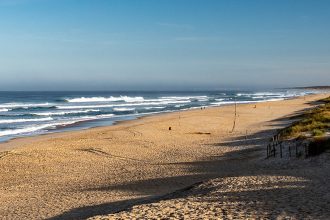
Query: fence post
<point x="306" y="150"/>
<point x="289" y="150"/>
<point x="296" y="149"/>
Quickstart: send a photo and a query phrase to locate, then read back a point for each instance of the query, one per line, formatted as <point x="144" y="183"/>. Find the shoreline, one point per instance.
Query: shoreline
<point x="7" y="145"/>
<point x="99" y="171"/>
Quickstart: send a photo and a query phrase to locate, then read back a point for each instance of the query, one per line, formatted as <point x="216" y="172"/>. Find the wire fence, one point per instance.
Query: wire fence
<point x="296" y="147"/>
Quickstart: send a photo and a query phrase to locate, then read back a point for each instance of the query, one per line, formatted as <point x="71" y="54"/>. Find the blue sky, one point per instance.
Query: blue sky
<point x="163" y="44"/>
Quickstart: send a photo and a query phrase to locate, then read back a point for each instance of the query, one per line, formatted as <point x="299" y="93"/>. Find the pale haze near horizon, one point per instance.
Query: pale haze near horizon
<point x="126" y="45"/>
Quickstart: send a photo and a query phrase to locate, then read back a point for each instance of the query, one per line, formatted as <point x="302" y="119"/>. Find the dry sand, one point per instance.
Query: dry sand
<point x="132" y="165"/>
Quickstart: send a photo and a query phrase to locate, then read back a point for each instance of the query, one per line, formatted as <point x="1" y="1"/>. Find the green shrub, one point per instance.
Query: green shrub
<point x="315" y="122"/>
<point x="318" y="132"/>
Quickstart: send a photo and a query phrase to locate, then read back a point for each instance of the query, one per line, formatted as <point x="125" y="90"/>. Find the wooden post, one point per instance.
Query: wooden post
<point x="281" y="150"/>
<point x="289" y="150"/>
<point x="296" y="149"/>
<point x="268" y="151"/>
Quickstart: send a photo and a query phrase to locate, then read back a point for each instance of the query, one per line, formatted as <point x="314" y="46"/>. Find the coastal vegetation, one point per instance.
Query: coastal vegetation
<point x="315" y="122"/>
<point x="314" y="126"/>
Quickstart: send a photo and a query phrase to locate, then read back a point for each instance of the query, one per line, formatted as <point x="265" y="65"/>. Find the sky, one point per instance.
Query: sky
<point x="163" y="44"/>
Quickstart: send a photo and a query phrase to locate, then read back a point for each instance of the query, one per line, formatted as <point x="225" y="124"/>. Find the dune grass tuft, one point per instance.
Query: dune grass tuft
<point x="314" y="123"/>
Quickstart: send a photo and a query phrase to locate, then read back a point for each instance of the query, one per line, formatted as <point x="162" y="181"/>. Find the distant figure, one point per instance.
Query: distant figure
<point x="169" y="128"/>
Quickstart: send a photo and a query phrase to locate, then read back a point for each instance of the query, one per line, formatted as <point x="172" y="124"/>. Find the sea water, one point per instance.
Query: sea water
<point x="33" y="113"/>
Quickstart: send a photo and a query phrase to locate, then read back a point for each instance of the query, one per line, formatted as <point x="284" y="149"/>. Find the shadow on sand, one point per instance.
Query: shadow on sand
<point x="248" y="161"/>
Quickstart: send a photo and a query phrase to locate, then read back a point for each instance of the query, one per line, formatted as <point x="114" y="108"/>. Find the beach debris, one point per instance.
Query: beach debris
<point x="169" y="128"/>
<point x="208" y="133"/>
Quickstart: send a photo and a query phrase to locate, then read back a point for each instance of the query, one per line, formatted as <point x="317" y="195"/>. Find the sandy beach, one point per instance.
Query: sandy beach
<point x="198" y="169"/>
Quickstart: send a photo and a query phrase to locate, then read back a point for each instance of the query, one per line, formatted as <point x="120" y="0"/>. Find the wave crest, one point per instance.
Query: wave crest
<point x="106" y="99"/>
<point x="10" y="121"/>
<point x="24" y="105"/>
<point x="64" y="112"/>
<point x="123" y="109"/>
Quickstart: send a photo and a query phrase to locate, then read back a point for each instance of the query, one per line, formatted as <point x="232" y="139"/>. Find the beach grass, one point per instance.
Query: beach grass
<point x="315" y="122"/>
<point x="313" y="126"/>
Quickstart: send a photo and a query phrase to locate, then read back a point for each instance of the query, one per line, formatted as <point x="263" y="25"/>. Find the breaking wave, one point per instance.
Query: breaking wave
<point x="123" y="109"/>
<point x="4" y="109"/>
<point x="23" y="105"/>
<point x="10" y="121"/>
<point x="105" y="99"/>
<point x="21" y="114"/>
<point x="64" y="112"/>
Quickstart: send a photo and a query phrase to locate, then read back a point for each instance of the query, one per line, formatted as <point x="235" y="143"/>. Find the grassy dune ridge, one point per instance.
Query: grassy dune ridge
<point x="315" y="122"/>
<point x="313" y="125"/>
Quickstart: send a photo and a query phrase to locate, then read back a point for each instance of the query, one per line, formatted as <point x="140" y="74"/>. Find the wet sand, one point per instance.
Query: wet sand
<point x="82" y="174"/>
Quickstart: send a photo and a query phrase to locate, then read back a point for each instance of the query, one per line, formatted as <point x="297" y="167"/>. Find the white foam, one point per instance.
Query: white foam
<point x="32" y="129"/>
<point x="154" y="107"/>
<point x="166" y="102"/>
<point x="100" y="116"/>
<point x="10" y="121"/>
<point x="177" y="99"/>
<point x="35" y="128"/>
<point x="89" y="118"/>
<point x="274" y="100"/>
<point x="286" y="94"/>
<point x="245" y="102"/>
<point x="22" y="105"/>
<point x="258" y="97"/>
<point x="64" y="112"/>
<point x="121" y="105"/>
<point x="268" y="93"/>
<point x="123" y="109"/>
<point x="203" y="97"/>
<point x="106" y="99"/>
<point x="83" y="106"/>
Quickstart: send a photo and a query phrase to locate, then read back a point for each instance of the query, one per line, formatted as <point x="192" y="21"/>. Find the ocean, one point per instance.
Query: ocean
<point x="35" y="113"/>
